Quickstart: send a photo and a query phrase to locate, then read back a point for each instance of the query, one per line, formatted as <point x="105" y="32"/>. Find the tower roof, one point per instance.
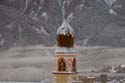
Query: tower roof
<point x="65" y="33"/>
<point x="65" y="28"/>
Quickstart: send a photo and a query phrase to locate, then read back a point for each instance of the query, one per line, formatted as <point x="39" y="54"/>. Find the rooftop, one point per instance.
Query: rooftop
<point x="65" y="28"/>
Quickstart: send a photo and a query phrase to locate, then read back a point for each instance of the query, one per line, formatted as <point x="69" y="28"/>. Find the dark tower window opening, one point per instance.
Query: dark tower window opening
<point x="61" y="64"/>
<point x="74" y="65"/>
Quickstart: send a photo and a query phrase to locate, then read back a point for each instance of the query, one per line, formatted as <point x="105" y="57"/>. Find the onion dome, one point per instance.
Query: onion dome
<point x="65" y="28"/>
<point x="65" y="33"/>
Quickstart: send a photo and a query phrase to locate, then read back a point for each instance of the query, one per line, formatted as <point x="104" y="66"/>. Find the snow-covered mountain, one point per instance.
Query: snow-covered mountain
<point x="96" y="22"/>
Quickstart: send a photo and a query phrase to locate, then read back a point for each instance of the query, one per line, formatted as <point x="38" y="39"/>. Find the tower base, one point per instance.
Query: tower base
<point x="64" y="77"/>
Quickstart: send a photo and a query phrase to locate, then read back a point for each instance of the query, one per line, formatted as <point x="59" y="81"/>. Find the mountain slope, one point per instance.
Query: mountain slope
<point x="36" y="22"/>
<point x="19" y="29"/>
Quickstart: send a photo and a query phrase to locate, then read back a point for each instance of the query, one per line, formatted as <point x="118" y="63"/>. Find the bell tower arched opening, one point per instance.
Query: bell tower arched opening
<point x="61" y="64"/>
<point x="74" y="65"/>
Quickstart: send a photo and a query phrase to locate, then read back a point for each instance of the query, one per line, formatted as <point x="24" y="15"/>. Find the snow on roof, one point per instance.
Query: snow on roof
<point x="91" y="77"/>
<point x="65" y="50"/>
<point x="76" y="81"/>
<point x="113" y="70"/>
<point x="114" y="81"/>
<point x="122" y="65"/>
<point x="65" y="28"/>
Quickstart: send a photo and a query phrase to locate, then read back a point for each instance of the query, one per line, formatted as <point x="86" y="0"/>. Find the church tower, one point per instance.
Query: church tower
<point x="65" y="54"/>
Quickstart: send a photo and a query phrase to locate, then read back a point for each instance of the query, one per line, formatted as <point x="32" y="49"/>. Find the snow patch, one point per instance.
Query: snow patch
<point x="1" y="40"/>
<point x="81" y="6"/>
<point x="40" y="7"/>
<point x="32" y="13"/>
<point x="26" y="5"/>
<point x="35" y="17"/>
<point x="114" y="81"/>
<point x="113" y="70"/>
<point x="111" y="11"/>
<point x="123" y="66"/>
<point x="65" y="28"/>
<point x="41" y="30"/>
<point x="85" y="42"/>
<point x="70" y="17"/>
<point x="44" y="14"/>
<point x="44" y="31"/>
<point x="9" y="26"/>
<point x="110" y="2"/>
<point x="20" y="31"/>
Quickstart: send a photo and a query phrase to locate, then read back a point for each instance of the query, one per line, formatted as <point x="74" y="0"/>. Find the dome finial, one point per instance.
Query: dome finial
<point x="64" y="10"/>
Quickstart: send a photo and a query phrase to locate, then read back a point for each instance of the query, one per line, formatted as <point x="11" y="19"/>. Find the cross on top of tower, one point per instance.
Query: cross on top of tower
<point x="65" y="9"/>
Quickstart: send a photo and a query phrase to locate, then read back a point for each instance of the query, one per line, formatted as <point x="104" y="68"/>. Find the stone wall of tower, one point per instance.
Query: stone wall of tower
<point x="65" y="67"/>
<point x="64" y="78"/>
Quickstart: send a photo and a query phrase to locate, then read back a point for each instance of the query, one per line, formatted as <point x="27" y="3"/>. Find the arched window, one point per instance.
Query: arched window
<point x="61" y="64"/>
<point x="74" y="65"/>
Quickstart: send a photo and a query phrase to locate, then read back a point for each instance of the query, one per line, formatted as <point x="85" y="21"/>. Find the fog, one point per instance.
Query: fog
<point x="28" y="63"/>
